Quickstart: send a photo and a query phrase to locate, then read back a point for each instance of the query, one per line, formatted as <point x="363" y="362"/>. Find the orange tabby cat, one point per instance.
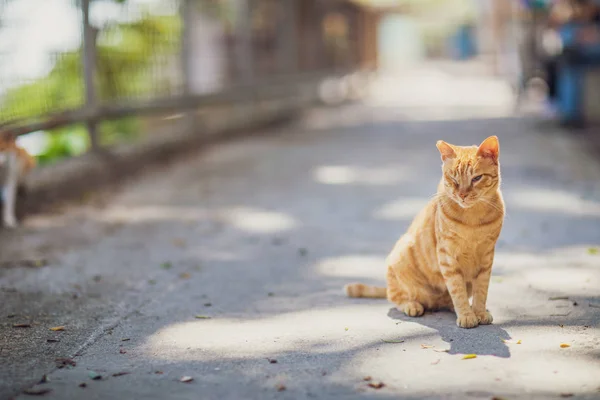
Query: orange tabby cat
<point x="15" y="164"/>
<point x="447" y="254"/>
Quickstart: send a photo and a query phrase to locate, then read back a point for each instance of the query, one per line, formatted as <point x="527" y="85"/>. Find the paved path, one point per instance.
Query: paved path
<point x="261" y="235"/>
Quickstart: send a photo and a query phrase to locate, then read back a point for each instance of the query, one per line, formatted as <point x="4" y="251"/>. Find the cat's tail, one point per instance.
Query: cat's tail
<point x="365" y="291"/>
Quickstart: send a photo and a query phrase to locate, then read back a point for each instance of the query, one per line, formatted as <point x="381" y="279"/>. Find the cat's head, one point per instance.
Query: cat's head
<point x="470" y="173"/>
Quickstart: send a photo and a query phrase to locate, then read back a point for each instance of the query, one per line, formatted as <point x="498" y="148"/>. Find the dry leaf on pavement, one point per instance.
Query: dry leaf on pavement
<point x="57" y="328"/>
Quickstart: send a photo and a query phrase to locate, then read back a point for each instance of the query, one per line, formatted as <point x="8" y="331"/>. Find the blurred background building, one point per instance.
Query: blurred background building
<point x="81" y="74"/>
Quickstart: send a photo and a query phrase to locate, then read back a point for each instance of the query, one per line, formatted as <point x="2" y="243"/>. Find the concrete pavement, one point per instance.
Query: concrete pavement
<point x="228" y="266"/>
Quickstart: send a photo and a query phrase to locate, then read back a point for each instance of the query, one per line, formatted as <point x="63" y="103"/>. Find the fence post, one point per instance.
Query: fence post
<point x="244" y="42"/>
<point x="89" y="72"/>
<point x="288" y="40"/>
<point x="186" y="43"/>
<point x="187" y="19"/>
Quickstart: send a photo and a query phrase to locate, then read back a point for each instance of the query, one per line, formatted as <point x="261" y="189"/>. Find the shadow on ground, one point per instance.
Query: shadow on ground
<point x="267" y="233"/>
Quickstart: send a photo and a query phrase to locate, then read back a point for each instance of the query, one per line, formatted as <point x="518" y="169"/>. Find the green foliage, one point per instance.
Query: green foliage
<point x="131" y="58"/>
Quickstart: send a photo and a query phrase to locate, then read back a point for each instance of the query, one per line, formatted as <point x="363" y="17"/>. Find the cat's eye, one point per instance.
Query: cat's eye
<point x="477" y="178"/>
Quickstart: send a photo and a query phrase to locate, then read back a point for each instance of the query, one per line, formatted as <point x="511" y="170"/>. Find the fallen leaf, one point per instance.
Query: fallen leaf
<point x="469" y="356"/>
<point x="435" y="362"/>
<point x="125" y="339"/>
<point x="93" y="375"/>
<point x="202" y="317"/>
<point x="346" y="329"/>
<point x="57" y="328"/>
<point x="559" y="298"/>
<point x="441" y="350"/>
<point x="122" y="351"/>
<point x="37" y="391"/>
<point x="376" y="385"/>
<point x="367" y="378"/>
<point x="564" y="345"/>
<point x="186" y="379"/>
<point x="272" y="360"/>
<point x="22" y="325"/>
<point x="120" y="373"/>
<point x="82" y="385"/>
<point x="179" y="242"/>
<point x="593" y="251"/>
<point x="158" y="372"/>
<point x="65" y="363"/>
<point x="427" y="346"/>
<point x="567" y="395"/>
<point x="393" y="341"/>
<point x="166" y="265"/>
<point x="512" y="341"/>
<point x="280" y="387"/>
<point x="185" y="275"/>
<point x="52" y="340"/>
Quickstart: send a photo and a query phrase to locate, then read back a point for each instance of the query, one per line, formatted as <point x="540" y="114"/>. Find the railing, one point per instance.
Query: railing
<point x="174" y="56"/>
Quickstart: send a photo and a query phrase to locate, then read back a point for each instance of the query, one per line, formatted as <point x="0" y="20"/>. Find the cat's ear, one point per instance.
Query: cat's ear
<point x="489" y="148"/>
<point x="446" y="150"/>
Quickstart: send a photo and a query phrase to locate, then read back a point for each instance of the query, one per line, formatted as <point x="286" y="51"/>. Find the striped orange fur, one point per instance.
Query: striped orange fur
<point x="446" y="256"/>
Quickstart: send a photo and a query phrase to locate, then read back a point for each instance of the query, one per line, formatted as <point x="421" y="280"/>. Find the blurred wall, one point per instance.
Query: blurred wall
<point x="400" y="42"/>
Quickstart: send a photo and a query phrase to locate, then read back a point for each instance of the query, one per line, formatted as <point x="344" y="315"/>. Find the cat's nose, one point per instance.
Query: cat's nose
<point x="462" y="195"/>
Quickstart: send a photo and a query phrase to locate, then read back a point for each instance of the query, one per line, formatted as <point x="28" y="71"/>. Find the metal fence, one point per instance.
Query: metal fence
<point x="66" y="63"/>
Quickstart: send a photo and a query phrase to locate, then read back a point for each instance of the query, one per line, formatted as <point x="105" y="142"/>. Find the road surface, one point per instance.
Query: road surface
<point x="228" y="266"/>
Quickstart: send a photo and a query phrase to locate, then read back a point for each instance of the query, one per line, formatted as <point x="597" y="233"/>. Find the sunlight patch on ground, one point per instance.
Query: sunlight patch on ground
<point x="258" y="221"/>
<point x="344" y="175"/>
<point x="533" y="363"/>
<point x="552" y="200"/>
<point x="316" y="331"/>
<point x="353" y="266"/>
<point x="405" y="208"/>
<point x="567" y="271"/>
<point x="153" y="213"/>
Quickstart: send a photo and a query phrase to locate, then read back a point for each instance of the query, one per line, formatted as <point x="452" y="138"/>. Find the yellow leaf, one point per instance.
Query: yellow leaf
<point x="511" y="341"/>
<point x="427" y="346"/>
<point x="202" y="317"/>
<point x="58" y="328"/>
<point x="593" y="250"/>
<point x="469" y="356"/>
<point x="564" y="345"/>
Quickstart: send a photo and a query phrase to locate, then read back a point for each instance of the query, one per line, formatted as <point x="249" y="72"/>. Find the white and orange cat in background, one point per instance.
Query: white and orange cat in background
<point x="15" y="164"/>
<point x="446" y="255"/>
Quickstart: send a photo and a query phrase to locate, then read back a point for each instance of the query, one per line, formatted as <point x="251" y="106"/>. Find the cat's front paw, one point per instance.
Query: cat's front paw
<point x="412" y="309"/>
<point x="467" y="321"/>
<point x="484" y="318"/>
